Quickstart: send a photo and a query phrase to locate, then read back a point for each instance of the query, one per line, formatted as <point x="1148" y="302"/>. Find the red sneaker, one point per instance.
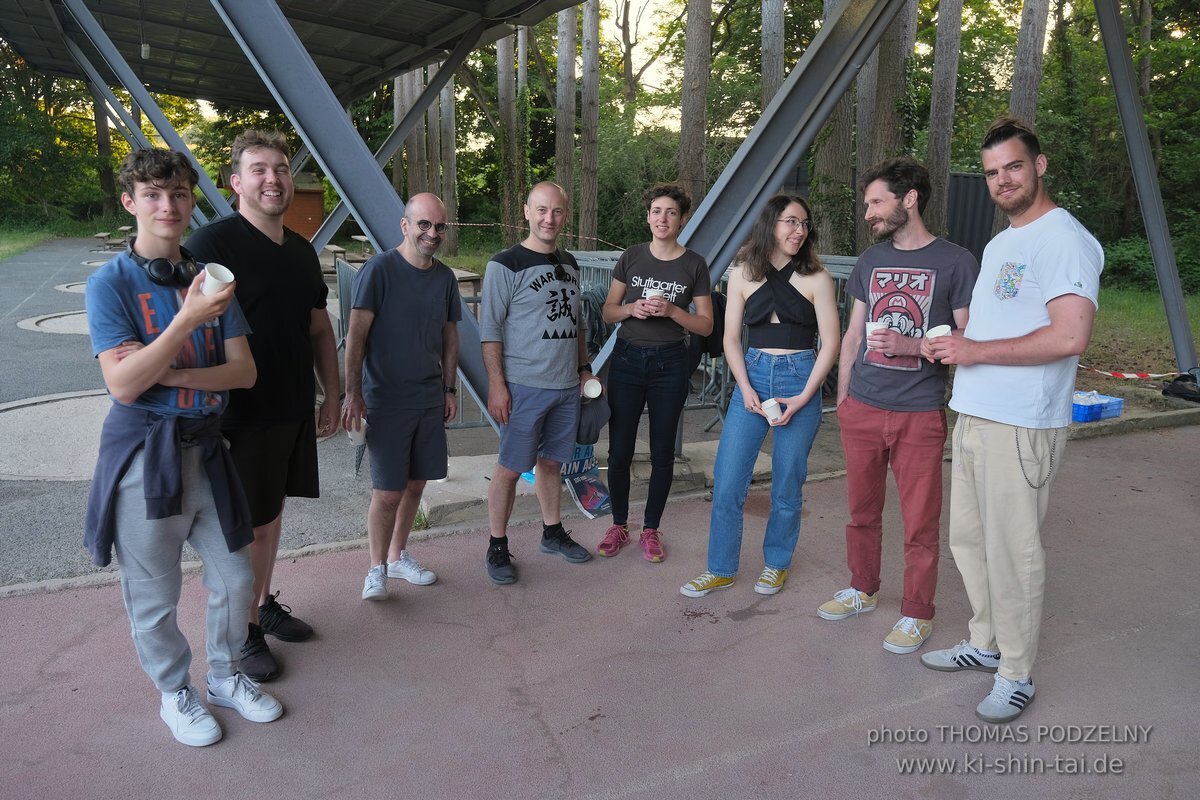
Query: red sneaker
<point x="614" y="539"/>
<point x="652" y="547"/>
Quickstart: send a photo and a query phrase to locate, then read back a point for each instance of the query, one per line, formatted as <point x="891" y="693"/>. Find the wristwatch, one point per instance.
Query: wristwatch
<point x="585" y="368"/>
<point x="450" y="389"/>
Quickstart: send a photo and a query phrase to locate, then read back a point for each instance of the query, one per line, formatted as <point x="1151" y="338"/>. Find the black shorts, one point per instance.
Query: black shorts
<point x="404" y="445"/>
<point x="275" y="461"/>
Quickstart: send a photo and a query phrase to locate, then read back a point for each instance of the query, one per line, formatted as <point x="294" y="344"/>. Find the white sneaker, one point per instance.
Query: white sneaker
<point x="243" y="696"/>
<point x="375" y="586"/>
<point x="188" y="719"/>
<point x="408" y="569"/>
<point x="1006" y="701"/>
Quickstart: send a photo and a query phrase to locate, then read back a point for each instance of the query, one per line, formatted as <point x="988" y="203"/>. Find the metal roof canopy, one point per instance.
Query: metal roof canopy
<point x="355" y="44"/>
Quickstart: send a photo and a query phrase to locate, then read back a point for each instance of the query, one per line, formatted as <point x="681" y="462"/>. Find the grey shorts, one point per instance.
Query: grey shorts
<point x="543" y="423"/>
<point x="406" y="444"/>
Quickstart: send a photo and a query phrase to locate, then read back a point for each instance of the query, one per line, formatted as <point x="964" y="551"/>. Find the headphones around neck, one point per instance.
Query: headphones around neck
<point x="164" y="271"/>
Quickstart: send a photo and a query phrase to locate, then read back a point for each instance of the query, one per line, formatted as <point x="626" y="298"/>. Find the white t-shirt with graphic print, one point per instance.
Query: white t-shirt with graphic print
<point x="1024" y="269"/>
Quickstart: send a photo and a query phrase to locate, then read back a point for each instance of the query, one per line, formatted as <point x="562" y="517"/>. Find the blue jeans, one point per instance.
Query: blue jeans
<point x="640" y="377"/>
<point x="741" y="440"/>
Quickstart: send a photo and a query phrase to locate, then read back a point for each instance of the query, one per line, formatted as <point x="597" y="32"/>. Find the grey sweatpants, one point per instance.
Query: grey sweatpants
<point x="150" y="551"/>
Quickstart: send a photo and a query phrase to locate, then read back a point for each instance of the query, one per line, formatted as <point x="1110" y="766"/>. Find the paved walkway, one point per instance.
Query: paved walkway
<point x="600" y="680"/>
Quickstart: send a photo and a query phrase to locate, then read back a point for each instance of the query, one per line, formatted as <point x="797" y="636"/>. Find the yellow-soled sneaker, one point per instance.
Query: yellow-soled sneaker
<point x="771" y="580"/>
<point x="907" y="635"/>
<point x="705" y="583"/>
<point x="847" y="603"/>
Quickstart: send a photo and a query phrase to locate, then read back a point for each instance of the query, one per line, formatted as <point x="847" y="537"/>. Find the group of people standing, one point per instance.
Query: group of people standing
<point x="187" y="370"/>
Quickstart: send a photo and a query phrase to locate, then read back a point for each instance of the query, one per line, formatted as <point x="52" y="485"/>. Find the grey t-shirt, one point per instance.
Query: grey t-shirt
<point x="912" y="291"/>
<point x="402" y="360"/>
<point x="534" y="310"/>
<point x="681" y="278"/>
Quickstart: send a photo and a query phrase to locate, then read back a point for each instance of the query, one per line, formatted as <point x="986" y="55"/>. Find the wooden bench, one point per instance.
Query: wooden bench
<point x="472" y="280"/>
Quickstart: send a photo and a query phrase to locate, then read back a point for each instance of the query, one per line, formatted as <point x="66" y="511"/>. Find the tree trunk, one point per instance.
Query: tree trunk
<point x="522" y="58"/>
<point x="414" y="146"/>
<point x="625" y="24"/>
<point x="590" y="126"/>
<point x="108" y="182"/>
<point x="895" y="48"/>
<point x="941" y="112"/>
<point x="506" y="96"/>
<point x="1027" y="67"/>
<point x="564" y="117"/>
<point x="1027" y="73"/>
<point x="449" y="190"/>
<point x="433" y="127"/>
<point x="397" y="115"/>
<point x="831" y="189"/>
<point x="772" y="49"/>
<point x="692" y="118"/>
<point x="864" y="128"/>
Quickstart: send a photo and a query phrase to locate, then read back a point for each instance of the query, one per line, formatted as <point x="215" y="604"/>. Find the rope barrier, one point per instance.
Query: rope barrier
<point x="1136" y="375"/>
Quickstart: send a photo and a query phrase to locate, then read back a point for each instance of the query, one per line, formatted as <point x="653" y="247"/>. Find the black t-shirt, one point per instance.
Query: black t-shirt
<point x="278" y="286"/>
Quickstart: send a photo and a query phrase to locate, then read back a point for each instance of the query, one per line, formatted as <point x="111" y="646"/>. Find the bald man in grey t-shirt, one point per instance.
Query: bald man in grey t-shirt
<point x="536" y="363"/>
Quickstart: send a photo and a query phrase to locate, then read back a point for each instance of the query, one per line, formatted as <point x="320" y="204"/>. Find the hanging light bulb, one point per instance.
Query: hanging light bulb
<point x="145" y="50"/>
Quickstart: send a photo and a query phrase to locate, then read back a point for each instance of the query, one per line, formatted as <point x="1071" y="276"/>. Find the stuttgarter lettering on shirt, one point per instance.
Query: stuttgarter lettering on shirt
<point x="671" y="288"/>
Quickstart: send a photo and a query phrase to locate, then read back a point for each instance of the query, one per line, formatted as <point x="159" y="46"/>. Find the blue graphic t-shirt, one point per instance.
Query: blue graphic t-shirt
<point x="124" y="305"/>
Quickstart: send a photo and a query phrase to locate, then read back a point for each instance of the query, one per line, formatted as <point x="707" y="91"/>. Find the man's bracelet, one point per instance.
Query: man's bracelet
<point x="450" y="389"/>
<point x="585" y="368"/>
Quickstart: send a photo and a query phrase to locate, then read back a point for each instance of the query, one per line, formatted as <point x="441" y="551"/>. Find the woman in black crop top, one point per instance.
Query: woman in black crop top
<point x="780" y="291"/>
<point x="653" y="286"/>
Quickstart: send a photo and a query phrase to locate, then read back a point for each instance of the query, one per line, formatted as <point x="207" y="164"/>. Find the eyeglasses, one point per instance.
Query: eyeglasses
<point x="794" y="223"/>
<point x="560" y="274"/>
<point x="425" y="225"/>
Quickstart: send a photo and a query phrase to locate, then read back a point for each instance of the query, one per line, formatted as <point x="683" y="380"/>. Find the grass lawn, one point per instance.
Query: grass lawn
<point x="1131" y="335"/>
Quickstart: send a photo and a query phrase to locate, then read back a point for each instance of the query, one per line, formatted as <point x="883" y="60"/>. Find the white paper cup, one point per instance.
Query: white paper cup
<point x="936" y="331"/>
<point x="652" y="293"/>
<point x="592" y="388"/>
<point x="771" y="408"/>
<point x="358" y="437"/>
<point x="216" y="278"/>
<point x="875" y="326"/>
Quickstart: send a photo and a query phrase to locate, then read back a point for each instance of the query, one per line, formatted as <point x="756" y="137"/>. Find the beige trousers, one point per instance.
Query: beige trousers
<point x="998" y="500"/>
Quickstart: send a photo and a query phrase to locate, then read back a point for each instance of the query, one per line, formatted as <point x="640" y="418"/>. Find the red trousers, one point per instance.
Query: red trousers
<point x="912" y="442"/>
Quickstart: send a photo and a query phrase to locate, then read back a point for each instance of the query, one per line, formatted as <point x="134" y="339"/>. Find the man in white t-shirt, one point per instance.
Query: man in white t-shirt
<point x="1030" y="319"/>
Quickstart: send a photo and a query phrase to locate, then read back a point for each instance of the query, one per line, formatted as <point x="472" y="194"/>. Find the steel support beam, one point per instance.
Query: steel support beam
<point x="271" y="45"/>
<point x="788" y="125"/>
<point x="129" y="80"/>
<point x="391" y="145"/>
<point x="1145" y="178"/>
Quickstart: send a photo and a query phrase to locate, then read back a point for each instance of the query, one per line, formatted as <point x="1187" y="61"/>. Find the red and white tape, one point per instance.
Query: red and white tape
<point x="1137" y="375"/>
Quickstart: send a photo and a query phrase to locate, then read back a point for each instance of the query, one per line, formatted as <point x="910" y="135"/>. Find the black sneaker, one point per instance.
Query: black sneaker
<point x="559" y="542"/>
<point x="277" y="620"/>
<point x="499" y="564"/>
<point x="257" y="661"/>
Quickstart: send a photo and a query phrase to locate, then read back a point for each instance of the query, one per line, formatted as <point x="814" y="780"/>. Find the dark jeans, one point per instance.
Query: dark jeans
<point x="639" y="377"/>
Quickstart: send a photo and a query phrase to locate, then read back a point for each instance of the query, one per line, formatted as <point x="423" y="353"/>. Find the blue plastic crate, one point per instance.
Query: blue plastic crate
<point x="1093" y="406"/>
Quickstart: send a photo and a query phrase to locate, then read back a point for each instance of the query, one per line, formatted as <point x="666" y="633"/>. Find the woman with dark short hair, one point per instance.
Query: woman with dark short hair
<point x="653" y="285"/>
<point x="783" y="295"/>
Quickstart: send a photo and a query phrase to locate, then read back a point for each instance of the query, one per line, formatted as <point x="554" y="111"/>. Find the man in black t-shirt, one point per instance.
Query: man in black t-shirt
<point x="270" y="427"/>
